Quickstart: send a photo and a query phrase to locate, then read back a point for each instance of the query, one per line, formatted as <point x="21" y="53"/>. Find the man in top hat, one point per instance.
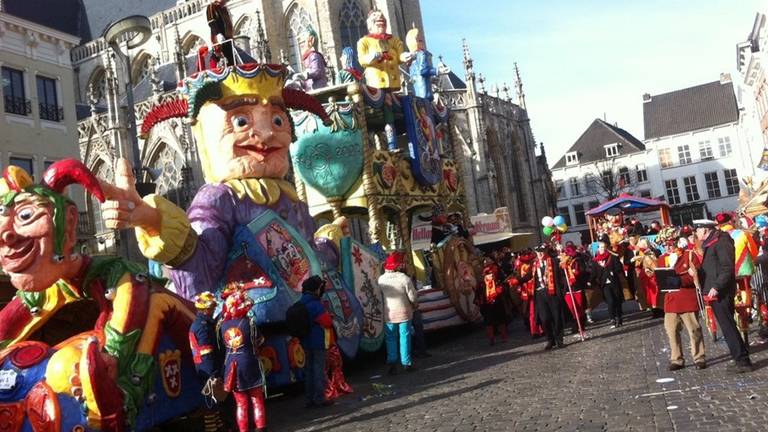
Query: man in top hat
<point x="400" y="301"/>
<point x="220" y="23"/>
<point x="718" y="279"/>
<point x="548" y="293"/>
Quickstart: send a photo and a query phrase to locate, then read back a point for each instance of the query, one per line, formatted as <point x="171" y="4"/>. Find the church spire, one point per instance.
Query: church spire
<point x="468" y="63"/>
<point x="519" y="86"/>
<point x="262" y="51"/>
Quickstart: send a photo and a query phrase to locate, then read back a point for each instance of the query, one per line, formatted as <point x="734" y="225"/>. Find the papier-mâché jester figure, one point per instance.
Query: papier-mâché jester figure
<point x="86" y="340"/>
<point x="243" y="131"/>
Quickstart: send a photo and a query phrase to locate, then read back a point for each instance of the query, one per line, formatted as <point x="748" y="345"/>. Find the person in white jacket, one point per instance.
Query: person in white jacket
<point x="399" y="303"/>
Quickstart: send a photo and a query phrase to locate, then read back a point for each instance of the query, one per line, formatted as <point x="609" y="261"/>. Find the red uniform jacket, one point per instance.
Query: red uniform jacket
<point x="683" y="300"/>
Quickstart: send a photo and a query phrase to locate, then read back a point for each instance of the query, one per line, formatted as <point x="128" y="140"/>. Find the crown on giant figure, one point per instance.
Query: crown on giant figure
<point x="252" y="83"/>
<point x="263" y="83"/>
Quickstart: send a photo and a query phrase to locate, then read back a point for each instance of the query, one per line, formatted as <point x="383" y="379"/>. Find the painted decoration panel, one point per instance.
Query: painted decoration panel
<point x="346" y="311"/>
<point x="423" y="144"/>
<point x="361" y="268"/>
<point x="269" y="260"/>
<point x="328" y="158"/>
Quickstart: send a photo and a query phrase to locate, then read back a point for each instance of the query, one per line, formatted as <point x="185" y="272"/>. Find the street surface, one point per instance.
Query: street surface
<point x="608" y="383"/>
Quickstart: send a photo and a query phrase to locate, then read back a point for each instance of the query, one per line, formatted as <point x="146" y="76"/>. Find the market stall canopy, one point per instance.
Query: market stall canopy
<point x="629" y="204"/>
<point x="496" y="227"/>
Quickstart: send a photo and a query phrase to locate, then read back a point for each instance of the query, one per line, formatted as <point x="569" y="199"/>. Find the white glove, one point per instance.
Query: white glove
<point x="220" y="38"/>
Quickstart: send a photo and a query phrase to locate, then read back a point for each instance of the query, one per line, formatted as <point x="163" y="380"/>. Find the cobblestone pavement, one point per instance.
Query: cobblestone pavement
<point x="607" y="383"/>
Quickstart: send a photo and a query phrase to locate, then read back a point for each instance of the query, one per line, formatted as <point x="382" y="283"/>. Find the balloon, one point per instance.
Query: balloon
<point x="563" y="228"/>
<point x="761" y="221"/>
<point x="548" y="230"/>
<point x="547" y="221"/>
<point x="559" y="220"/>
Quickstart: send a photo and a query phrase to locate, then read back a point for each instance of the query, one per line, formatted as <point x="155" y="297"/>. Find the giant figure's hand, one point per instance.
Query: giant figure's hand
<point x="123" y="207"/>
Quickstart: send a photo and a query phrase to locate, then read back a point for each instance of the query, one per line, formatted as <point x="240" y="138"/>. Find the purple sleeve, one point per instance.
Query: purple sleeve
<point x="315" y="66"/>
<point x="212" y="215"/>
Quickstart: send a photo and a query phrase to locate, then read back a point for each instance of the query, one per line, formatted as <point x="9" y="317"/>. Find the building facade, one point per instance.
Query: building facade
<point x="694" y="138"/>
<point x="604" y="162"/>
<point x="37" y="126"/>
<point x="502" y="164"/>
<point x="752" y="89"/>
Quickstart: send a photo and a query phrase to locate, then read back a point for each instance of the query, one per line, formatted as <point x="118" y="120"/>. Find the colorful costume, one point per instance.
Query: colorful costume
<point x="524" y="283"/>
<point x="206" y="355"/>
<point x="381" y="54"/>
<point x="490" y="299"/>
<point x="243" y="375"/>
<point x="577" y="276"/>
<point x="349" y="73"/>
<point x="314" y="64"/>
<point x="421" y="69"/>
<point x="681" y="307"/>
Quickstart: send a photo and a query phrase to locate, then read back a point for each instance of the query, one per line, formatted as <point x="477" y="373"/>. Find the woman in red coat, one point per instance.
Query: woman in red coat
<point x="681" y="307"/>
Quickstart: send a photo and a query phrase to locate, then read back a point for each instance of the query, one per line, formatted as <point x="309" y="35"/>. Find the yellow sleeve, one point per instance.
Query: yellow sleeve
<point x="176" y="241"/>
<point x="364" y="56"/>
<point x="331" y="232"/>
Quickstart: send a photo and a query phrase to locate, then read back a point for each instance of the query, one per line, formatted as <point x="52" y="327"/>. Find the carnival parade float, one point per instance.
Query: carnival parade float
<point x="96" y="343"/>
<point x="88" y="343"/>
<point x="386" y="159"/>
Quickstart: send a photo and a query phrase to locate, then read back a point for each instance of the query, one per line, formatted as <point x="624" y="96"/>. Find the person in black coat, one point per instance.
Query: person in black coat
<point x="549" y="289"/>
<point x="607" y="272"/>
<point x="718" y="278"/>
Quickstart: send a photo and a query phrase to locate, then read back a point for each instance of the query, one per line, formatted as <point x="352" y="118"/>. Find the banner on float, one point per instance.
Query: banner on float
<point x="494" y="223"/>
<point x="421" y="230"/>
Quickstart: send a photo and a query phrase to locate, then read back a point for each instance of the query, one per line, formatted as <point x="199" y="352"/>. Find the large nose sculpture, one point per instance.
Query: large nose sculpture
<point x="8" y="235"/>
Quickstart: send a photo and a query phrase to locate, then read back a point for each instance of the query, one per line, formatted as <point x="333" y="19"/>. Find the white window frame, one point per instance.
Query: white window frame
<point x="611" y="150"/>
<point x="572" y="158"/>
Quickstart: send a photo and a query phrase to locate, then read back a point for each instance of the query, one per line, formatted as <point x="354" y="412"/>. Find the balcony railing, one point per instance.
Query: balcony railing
<point x="17" y="105"/>
<point x="51" y="112"/>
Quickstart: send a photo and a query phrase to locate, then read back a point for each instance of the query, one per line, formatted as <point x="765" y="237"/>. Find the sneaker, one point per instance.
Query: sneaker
<point x="589" y="319"/>
<point x="674" y="367"/>
<point x="701" y="365"/>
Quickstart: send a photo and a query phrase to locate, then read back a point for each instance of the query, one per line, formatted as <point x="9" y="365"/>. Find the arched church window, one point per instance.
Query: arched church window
<point x="167" y="166"/>
<point x="141" y="70"/>
<point x="244" y="27"/>
<point x="191" y="44"/>
<point x="298" y="20"/>
<point x="351" y="24"/>
<point x="99" y="83"/>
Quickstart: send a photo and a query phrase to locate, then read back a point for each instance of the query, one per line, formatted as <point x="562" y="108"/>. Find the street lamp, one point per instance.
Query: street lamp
<point x="133" y="31"/>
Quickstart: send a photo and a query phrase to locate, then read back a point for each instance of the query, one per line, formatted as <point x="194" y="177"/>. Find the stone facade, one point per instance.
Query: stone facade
<point x="501" y="167"/>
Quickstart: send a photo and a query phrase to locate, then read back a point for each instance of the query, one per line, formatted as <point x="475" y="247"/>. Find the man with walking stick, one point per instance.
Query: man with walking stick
<point x="717" y="274"/>
<point x="548" y="293"/>
<point x="576" y="278"/>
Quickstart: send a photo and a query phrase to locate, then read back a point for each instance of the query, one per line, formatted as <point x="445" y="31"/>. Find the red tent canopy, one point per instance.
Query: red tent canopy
<point x="629" y="204"/>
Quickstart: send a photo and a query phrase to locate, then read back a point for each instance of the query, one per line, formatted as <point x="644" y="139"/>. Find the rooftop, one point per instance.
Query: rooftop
<point x="690" y="109"/>
<point x="590" y="145"/>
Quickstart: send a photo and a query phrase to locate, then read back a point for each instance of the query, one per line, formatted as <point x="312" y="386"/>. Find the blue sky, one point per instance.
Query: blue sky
<point x="585" y="59"/>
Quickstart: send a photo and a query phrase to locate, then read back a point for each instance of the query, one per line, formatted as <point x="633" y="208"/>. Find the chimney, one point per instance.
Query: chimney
<point x="725" y="78"/>
<point x="646" y="97"/>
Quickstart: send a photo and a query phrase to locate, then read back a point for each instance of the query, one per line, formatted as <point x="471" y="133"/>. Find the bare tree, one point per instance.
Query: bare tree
<point x="607" y="179"/>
